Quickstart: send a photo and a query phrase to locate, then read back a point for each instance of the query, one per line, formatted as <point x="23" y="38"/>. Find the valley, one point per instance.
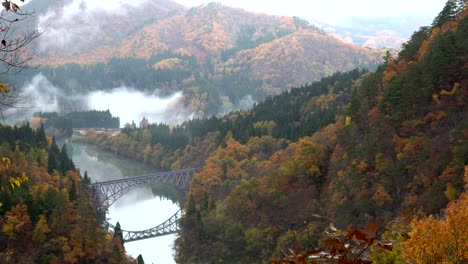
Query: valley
<point x="307" y="148"/>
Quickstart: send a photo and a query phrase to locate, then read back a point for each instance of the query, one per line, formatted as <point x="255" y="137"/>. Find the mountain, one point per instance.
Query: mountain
<point x="153" y="27"/>
<point x="375" y="32"/>
<point x="352" y="150"/>
<point x="287" y="62"/>
<point x="217" y="55"/>
<point x="80" y="29"/>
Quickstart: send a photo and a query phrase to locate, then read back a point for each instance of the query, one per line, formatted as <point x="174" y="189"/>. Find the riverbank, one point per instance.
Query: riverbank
<point x="141" y="208"/>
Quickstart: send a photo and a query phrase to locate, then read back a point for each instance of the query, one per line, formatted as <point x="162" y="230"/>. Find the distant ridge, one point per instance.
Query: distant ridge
<point x="212" y="33"/>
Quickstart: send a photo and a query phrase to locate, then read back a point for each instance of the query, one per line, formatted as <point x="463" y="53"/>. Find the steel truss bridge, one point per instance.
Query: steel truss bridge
<point x="106" y="193"/>
<point x="170" y="226"/>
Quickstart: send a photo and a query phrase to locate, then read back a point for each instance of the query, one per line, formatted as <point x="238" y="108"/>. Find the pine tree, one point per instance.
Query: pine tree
<point x="53" y="161"/>
<point x="191" y="210"/>
<point x="118" y="232"/>
<point x="140" y="259"/>
<point x="41" y="139"/>
<point x="86" y="179"/>
<point x="451" y="9"/>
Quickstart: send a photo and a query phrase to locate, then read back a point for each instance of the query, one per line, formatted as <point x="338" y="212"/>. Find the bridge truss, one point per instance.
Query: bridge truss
<point x="106" y="193"/>
<point x="170" y="226"/>
<point x="110" y="191"/>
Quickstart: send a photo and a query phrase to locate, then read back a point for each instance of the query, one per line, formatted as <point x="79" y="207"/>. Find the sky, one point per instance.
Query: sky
<point x="337" y="12"/>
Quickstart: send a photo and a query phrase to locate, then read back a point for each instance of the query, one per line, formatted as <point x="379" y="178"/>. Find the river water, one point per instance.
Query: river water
<point x="140" y="209"/>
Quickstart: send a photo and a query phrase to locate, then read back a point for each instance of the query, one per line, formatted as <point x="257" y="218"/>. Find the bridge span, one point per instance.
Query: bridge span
<point x="170" y="226"/>
<point x="108" y="192"/>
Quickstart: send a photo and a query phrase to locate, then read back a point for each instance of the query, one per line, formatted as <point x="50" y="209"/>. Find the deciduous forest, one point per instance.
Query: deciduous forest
<point x="45" y="210"/>
<point x="360" y="166"/>
<point x="357" y="147"/>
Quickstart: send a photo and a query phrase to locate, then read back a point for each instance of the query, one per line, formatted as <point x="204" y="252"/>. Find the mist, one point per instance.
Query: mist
<point x="74" y="25"/>
<point x="132" y="105"/>
<point x="40" y="95"/>
<point x="246" y="103"/>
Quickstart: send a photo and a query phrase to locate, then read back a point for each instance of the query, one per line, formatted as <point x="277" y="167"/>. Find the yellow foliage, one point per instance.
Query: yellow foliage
<point x="8" y="230"/>
<point x="450" y="192"/>
<point x="381" y="196"/>
<point x="348" y="120"/>
<point x="172" y="63"/>
<point x="17" y="221"/>
<point x="14" y="182"/>
<point x="4" y="88"/>
<point x="41" y="229"/>
<point x="360" y="166"/>
<point x="268" y="126"/>
<point x="466" y="177"/>
<point x="17" y="181"/>
<point x="380" y="162"/>
<point x="455" y="88"/>
<point x="435" y="32"/>
<point x="7" y="161"/>
<point x="389" y="75"/>
<point x="440" y="241"/>
<point x="425" y="243"/>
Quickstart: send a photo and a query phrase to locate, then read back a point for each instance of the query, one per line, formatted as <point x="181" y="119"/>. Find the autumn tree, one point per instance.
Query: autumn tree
<point x="440" y="240"/>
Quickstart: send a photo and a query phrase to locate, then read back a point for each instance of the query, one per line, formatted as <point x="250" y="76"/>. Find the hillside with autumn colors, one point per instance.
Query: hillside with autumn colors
<point x="383" y="154"/>
<point x="220" y="58"/>
<point x="210" y="33"/>
<point x="46" y="214"/>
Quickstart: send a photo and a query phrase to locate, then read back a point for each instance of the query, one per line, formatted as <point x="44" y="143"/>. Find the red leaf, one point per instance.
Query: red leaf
<point x="334" y="243"/>
<point x="372" y="228"/>
<point x="358" y="234"/>
<point x="313" y="251"/>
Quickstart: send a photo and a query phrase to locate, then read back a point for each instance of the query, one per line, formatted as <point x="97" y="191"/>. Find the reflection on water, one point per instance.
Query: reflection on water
<point x="141" y="208"/>
<point x="109" y="166"/>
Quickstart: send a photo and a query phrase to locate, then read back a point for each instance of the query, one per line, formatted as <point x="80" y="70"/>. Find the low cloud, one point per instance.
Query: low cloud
<point x="77" y="24"/>
<point x="40" y="95"/>
<point x="246" y="102"/>
<point x="132" y="105"/>
<point x="384" y="38"/>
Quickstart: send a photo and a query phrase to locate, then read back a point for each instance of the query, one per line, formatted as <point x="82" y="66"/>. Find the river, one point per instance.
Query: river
<point x="139" y="209"/>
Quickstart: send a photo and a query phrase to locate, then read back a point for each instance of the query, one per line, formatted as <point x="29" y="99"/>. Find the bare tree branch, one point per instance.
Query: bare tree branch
<point x="14" y="55"/>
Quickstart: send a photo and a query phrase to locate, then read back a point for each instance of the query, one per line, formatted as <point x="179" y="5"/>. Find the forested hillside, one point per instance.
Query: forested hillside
<point x="45" y="212"/>
<point x="63" y="125"/>
<point x="356" y="147"/>
<point x="221" y="58"/>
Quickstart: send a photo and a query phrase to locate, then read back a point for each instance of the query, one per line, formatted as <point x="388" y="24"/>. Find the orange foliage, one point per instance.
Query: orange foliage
<point x="17" y="222"/>
<point x="440" y="240"/>
<point x="381" y="196"/>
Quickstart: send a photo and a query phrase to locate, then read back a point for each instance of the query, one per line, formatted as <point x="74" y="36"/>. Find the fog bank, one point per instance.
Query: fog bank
<point x="132" y="105"/>
<point x="40" y="95"/>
